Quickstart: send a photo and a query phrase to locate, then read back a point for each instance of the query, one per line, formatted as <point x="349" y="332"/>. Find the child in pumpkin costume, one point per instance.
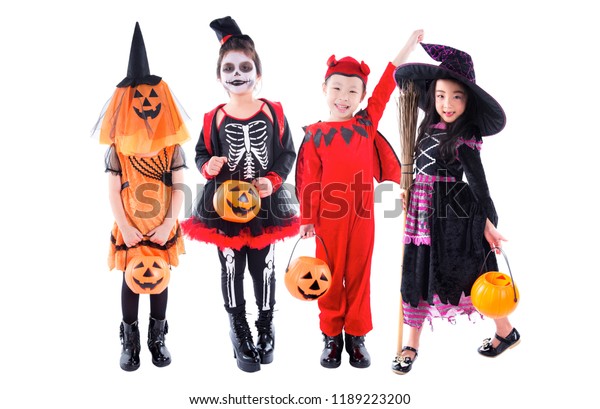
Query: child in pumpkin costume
<point x="246" y="139"/>
<point x="145" y="163"/>
<point x="450" y="225"/>
<point x="336" y="164"/>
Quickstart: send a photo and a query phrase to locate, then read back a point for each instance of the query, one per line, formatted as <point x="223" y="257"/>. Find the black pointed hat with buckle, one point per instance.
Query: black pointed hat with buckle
<point x="138" y="71"/>
<point x="457" y="65"/>
<point x="225" y="28"/>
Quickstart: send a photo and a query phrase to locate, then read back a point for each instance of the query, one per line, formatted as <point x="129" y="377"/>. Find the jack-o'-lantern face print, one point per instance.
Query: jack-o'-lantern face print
<point x="313" y="285"/>
<point x="148" y="102"/>
<point x="237" y="201"/>
<point x="308" y="278"/>
<point x="147" y="274"/>
<point x="142" y="116"/>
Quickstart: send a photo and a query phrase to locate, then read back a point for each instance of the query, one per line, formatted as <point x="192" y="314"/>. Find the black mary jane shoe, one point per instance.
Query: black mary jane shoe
<point x="403" y="364"/>
<point x="359" y="356"/>
<point x="511" y="341"/>
<point x="331" y="357"/>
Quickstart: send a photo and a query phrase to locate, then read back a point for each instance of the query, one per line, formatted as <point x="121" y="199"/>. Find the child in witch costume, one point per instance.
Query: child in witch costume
<point x="144" y="129"/>
<point x="245" y="139"/>
<point x="450" y="225"/>
<point x="336" y="164"/>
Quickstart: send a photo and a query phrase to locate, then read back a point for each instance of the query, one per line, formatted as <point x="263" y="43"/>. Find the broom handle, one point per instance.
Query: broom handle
<point x="401" y="309"/>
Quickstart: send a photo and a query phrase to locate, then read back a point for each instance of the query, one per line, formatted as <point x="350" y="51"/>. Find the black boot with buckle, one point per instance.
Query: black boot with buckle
<point x="265" y="343"/>
<point x="244" y="351"/>
<point x="331" y="357"/>
<point x="130" y="340"/>
<point x="355" y="346"/>
<point x="157" y="330"/>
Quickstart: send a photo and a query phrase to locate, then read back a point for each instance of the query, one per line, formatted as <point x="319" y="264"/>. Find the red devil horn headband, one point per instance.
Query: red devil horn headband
<point x="347" y="66"/>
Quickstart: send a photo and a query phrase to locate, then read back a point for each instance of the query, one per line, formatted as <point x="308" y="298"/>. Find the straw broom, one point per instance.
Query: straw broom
<point x="408" y="109"/>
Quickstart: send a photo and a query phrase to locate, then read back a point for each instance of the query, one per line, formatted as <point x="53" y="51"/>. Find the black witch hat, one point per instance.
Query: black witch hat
<point x="457" y="65"/>
<point x="138" y="71"/>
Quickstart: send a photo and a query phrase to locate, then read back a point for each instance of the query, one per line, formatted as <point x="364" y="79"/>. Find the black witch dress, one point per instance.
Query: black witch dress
<point x="444" y="245"/>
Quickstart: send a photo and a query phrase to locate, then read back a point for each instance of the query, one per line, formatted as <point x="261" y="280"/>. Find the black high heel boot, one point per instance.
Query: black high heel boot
<point x="244" y="351"/>
<point x="157" y="329"/>
<point x="265" y="343"/>
<point x="130" y="339"/>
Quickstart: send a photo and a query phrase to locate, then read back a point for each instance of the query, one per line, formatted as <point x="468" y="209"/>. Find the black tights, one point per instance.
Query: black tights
<point x="130" y="304"/>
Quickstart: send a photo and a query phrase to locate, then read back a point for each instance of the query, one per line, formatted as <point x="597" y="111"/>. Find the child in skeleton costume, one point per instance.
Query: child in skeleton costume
<point x="450" y="225"/>
<point x="143" y="126"/>
<point x="337" y="162"/>
<point x="246" y="139"/>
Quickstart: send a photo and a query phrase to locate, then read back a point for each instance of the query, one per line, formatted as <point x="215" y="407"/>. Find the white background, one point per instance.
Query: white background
<point x="60" y="307"/>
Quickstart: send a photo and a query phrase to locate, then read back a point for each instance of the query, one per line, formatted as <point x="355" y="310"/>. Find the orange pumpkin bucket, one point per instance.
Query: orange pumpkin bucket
<point x="147" y="274"/>
<point x="236" y="201"/>
<point x="495" y="294"/>
<point x="307" y="278"/>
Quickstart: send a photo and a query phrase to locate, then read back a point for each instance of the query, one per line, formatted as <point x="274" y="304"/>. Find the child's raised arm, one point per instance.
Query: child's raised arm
<point x="415" y="38"/>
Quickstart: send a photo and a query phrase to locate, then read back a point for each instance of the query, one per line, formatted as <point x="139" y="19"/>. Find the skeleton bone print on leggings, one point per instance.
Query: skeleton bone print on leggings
<point x="261" y="264"/>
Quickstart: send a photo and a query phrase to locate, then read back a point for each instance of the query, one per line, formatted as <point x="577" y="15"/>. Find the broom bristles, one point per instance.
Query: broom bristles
<point x="409" y="111"/>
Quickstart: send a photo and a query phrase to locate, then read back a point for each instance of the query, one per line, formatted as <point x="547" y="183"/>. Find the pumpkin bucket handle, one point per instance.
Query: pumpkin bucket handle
<point x="166" y="251"/>
<point x="507" y="264"/>
<point x="294" y="248"/>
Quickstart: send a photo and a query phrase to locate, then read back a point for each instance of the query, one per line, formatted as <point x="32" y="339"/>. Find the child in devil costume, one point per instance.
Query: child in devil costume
<point x="336" y="164"/>
<point x="245" y="139"/>
<point x="450" y="224"/>
<point x="143" y="126"/>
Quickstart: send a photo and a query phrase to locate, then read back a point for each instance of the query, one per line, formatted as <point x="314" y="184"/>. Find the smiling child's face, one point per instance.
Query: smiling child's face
<point x="450" y="100"/>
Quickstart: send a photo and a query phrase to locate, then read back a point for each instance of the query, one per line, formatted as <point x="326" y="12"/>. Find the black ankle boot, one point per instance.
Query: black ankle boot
<point x="244" y="351"/>
<point x="130" y="339"/>
<point x="157" y="329"/>
<point x="265" y="343"/>
<point x="332" y="353"/>
<point x="359" y="356"/>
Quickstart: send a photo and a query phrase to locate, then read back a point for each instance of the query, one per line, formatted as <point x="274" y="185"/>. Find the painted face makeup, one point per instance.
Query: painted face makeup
<point x="238" y="73"/>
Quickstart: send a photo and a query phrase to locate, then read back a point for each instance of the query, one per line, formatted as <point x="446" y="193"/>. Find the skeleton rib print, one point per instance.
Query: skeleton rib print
<point x="247" y="142"/>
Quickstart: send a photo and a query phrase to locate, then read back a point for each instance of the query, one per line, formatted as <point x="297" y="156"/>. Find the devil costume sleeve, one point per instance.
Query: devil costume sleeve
<point x="277" y="218"/>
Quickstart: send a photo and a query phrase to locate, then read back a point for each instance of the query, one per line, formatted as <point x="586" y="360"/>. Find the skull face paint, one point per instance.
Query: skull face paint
<point x="238" y="73"/>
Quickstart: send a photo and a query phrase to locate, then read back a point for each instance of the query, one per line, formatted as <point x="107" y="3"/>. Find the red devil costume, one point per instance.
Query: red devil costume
<point x="143" y="126"/>
<point x="258" y="146"/>
<point x="336" y="165"/>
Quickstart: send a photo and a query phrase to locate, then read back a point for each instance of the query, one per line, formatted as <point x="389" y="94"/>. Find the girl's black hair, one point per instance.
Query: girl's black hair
<point x="465" y="125"/>
<point x="241" y="43"/>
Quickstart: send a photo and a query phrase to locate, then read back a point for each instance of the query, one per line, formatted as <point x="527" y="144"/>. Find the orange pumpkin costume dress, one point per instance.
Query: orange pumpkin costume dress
<point x="146" y="193"/>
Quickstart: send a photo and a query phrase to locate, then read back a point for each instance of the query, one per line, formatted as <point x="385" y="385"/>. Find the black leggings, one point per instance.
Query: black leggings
<point x="262" y="270"/>
<point x="130" y="304"/>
